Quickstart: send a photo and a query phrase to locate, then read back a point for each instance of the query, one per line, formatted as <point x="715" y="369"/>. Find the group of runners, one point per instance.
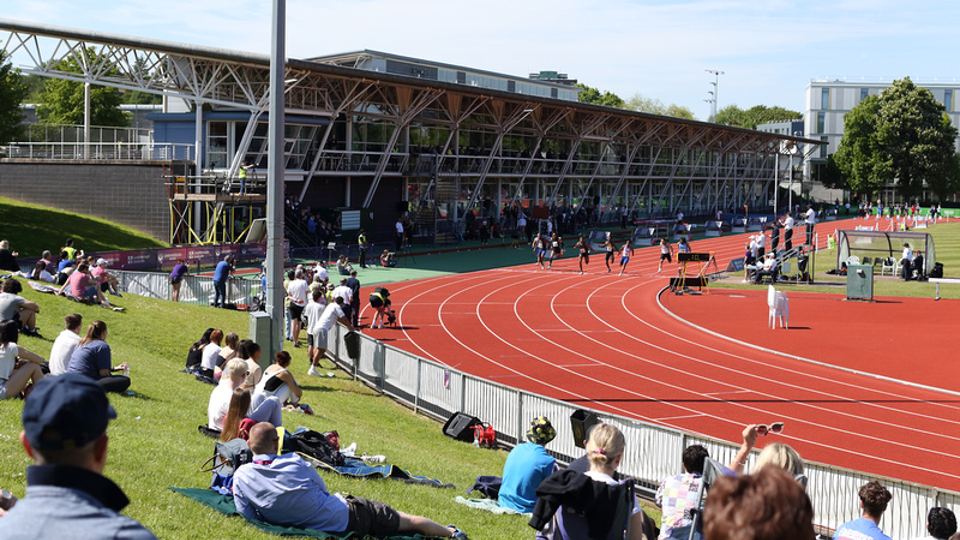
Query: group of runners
<point x="547" y="248"/>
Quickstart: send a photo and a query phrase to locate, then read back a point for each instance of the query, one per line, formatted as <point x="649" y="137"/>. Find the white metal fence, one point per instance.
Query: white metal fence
<point x="653" y="452"/>
<point x="194" y="290"/>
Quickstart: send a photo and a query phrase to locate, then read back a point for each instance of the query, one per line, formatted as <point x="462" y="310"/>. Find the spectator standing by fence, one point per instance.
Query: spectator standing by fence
<point x="873" y="503"/>
<point x="176" y="279"/>
<point x="220" y="276"/>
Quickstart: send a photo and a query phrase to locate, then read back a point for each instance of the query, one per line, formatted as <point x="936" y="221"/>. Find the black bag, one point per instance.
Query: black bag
<point x="488" y="486"/>
<point x="937" y="271"/>
<point x="194" y="357"/>
<point x="352" y="342"/>
<point x="315" y="445"/>
<point x="460" y="427"/>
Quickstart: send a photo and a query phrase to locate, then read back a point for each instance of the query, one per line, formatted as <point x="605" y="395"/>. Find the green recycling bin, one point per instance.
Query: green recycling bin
<point x="860" y="282"/>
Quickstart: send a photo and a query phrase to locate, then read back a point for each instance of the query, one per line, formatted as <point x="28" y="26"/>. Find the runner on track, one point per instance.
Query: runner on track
<point x="666" y="254"/>
<point x="556" y="249"/>
<point x="625" y="253"/>
<point x="611" y="250"/>
<point x="539" y="246"/>
<point x="584" y="253"/>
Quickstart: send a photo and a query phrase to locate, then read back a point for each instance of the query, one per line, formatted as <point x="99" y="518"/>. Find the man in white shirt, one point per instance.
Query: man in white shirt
<point x="345" y="292"/>
<point x="65" y="344"/>
<point x="331" y="315"/>
<point x="906" y="262"/>
<point x="811" y="220"/>
<point x="399" y="235"/>
<point x="320" y="271"/>
<point x="297" y="291"/>
<point x="788" y="231"/>
<point x="761" y="241"/>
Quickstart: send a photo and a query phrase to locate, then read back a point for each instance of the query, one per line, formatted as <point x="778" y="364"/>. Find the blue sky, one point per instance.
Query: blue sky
<point x="769" y="49"/>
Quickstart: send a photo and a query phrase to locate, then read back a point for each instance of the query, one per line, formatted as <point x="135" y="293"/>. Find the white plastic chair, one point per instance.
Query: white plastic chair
<point x="779" y="307"/>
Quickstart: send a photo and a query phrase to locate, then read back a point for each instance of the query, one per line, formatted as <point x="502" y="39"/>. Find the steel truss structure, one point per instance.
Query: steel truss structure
<point x="474" y="144"/>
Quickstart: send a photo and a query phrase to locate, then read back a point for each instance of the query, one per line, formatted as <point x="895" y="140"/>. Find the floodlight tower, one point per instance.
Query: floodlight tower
<point x="716" y="90"/>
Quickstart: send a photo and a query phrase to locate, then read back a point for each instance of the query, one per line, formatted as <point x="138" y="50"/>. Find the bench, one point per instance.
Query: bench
<point x="938" y="281"/>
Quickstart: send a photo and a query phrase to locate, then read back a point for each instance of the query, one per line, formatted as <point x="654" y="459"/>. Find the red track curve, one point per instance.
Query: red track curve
<point x="602" y="340"/>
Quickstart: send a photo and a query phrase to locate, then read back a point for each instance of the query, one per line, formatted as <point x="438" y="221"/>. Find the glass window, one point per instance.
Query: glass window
<point x="825" y="98"/>
<point x="821" y="121"/>
<point x="824" y="147"/>
<point x="216" y="145"/>
<point x="948" y="99"/>
<point x="864" y="92"/>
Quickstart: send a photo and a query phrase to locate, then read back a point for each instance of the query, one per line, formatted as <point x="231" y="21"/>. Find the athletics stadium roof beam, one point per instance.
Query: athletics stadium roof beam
<point x="590" y="124"/>
<point x="606" y="149"/>
<point x="506" y="125"/>
<point x="542" y="128"/>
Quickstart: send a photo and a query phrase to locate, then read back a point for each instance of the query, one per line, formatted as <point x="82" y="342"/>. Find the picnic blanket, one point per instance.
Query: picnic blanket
<point x="487" y="505"/>
<point x="224" y="505"/>
<point x="41" y="288"/>
<point x="357" y="468"/>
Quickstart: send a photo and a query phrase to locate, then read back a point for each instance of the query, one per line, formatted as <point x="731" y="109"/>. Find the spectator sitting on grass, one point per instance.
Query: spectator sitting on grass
<point x="65" y="434"/>
<point x="18" y="309"/>
<point x="527" y="465"/>
<point x="873" y="502"/>
<point x="210" y="353"/>
<point x="195" y="354"/>
<point x="65" y="267"/>
<point x="230" y="349"/>
<point x="83" y="288"/>
<point x="278" y="381"/>
<point x="8" y="259"/>
<point x="70" y="251"/>
<point x="941" y="524"/>
<point x="249" y="351"/>
<point x="65" y="344"/>
<point x="343" y="266"/>
<point x="286" y="490"/>
<point x="236" y="413"/>
<point x="39" y="273"/>
<point x="92" y="358"/>
<point x="107" y="282"/>
<point x="234" y="374"/>
<point x="767" y="505"/>
<point x="19" y="368"/>
<point x="680" y="494"/>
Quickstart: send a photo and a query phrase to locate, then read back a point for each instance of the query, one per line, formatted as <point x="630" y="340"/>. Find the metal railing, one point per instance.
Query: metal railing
<point x="124" y="151"/>
<point x="652" y="454"/>
<point x="194" y="290"/>
<point x="57" y="133"/>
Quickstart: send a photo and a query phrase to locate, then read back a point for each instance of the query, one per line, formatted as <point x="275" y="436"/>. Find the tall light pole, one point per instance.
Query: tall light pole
<point x="711" y="100"/>
<point x="716" y="90"/>
<point x="275" y="174"/>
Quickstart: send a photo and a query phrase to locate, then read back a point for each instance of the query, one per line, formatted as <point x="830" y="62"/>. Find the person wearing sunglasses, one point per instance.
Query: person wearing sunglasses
<point x="234" y="375"/>
<point x="779" y="454"/>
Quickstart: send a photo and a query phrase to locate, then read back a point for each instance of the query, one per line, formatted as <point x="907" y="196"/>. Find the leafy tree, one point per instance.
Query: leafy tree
<point x="831" y="175"/>
<point x="903" y="134"/>
<point x="61" y="101"/>
<point x="13" y="90"/>
<point x="593" y="96"/>
<point x="655" y="106"/>
<point x="731" y="115"/>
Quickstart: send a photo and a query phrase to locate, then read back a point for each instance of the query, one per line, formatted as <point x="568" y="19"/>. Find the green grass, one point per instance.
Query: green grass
<point x="946" y="238"/>
<point x="32" y="228"/>
<point x="154" y="443"/>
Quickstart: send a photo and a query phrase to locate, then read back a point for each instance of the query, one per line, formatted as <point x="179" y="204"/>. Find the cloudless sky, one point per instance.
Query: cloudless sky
<point x="769" y="49"/>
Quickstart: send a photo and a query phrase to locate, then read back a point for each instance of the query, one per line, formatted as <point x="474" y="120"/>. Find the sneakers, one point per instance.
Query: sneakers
<point x="313" y="372"/>
<point x="457" y="533"/>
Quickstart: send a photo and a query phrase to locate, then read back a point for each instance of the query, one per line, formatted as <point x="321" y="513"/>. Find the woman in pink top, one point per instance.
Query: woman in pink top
<point x="82" y="286"/>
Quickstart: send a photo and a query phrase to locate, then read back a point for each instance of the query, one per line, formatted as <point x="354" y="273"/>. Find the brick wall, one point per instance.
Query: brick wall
<point x="130" y="193"/>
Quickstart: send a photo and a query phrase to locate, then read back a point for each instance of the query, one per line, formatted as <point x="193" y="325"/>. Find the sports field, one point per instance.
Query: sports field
<point x="615" y="343"/>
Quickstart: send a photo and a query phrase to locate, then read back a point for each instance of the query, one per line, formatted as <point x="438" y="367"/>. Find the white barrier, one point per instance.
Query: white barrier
<point x="653" y="452"/>
<point x="194" y="290"/>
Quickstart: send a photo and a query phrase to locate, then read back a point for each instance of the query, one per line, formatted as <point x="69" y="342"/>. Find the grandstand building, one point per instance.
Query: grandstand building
<point x="372" y="134"/>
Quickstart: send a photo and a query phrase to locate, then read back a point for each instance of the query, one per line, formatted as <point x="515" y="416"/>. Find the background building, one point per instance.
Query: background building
<point x="828" y="102"/>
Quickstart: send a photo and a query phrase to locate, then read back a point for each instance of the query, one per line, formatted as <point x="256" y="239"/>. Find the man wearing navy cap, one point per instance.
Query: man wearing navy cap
<point x="65" y="433"/>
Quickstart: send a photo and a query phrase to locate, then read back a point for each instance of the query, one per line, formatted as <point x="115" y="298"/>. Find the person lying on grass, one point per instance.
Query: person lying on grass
<point x="286" y="490"/>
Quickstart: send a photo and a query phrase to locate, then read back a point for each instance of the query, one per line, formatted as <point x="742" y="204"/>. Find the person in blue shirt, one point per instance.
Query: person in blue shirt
<point x="176" y="279"/>
<point x="873" y="501"/>
<point x="220" y="276"/>
<point x="527" y="465"/>
<point x="65" y="434"/>
<point x="286" y="490"/>
<point x="92" y="359"/>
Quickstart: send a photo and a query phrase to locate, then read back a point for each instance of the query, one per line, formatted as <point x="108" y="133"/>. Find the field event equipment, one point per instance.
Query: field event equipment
<point x="883" y="247"/>
<point x="686" y="278"/>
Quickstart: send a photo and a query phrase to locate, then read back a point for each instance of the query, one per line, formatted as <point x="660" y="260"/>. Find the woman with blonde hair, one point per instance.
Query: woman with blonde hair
<point x="234" y="374"/>
<point x="782" y="456"/>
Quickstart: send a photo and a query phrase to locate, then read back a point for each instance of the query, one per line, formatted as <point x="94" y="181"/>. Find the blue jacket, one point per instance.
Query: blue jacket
<point x="70" y="502"/>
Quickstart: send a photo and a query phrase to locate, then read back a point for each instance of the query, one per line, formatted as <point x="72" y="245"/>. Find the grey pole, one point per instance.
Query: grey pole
<point x="790" y="194"/>
<point x="275" y="173"/>
<point x="86" y="120"/>
<point x="776" y="180"/>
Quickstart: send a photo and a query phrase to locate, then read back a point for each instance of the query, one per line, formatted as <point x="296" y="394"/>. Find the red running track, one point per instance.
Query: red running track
<point x="602" y="340"/>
